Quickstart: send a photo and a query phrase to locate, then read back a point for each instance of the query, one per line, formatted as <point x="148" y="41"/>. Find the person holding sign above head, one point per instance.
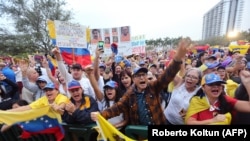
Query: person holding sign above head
<point x="125" y="35"/>
<point x="96" y="36"/>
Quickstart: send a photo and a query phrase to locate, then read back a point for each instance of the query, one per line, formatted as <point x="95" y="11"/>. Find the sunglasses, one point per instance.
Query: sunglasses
<point x="214" y="84"/>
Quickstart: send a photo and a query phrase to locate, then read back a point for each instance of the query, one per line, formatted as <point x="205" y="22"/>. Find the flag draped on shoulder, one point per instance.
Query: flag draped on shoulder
<point x="198" y="104"/>
<point x="35" y="121"/>
<point x="107" y="132"/>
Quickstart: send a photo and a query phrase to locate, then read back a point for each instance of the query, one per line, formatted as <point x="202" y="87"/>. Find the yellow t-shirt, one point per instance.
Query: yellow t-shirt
<point x="43" y="101"/>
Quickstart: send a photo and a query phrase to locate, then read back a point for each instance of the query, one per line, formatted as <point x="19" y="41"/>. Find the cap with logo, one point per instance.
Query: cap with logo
<point x="211" y="78"/>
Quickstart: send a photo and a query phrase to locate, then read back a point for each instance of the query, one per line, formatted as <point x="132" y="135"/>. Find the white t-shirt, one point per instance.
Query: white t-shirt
<point x="179" y="100"/>
<point x="84" y="82"/>
<point x="18" y="74"/>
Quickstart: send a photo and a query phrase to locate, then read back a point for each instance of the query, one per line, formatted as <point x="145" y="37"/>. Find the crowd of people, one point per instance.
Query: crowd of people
<point x="208" y="88"/>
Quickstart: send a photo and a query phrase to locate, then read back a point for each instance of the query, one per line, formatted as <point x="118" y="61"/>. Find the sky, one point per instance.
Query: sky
<point x="152" y="18"/>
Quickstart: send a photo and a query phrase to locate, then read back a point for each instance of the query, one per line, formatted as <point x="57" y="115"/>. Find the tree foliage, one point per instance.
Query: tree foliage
<point x="220" y="40"/>
<point x="29" y="18"/>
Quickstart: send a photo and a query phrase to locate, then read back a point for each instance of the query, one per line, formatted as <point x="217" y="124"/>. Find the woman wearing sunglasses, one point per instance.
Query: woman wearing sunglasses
<point x="212" y="106"/>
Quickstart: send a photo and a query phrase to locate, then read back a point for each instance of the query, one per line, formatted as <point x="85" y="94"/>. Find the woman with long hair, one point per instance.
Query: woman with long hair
<point x="108" y="97"/>
<point x="126" y="80"/>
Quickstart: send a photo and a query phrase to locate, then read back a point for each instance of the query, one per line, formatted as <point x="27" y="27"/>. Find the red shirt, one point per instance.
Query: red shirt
<point x="209" y="114"/>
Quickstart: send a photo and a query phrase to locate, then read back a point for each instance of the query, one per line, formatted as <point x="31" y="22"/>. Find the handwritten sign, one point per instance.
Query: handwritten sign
<point x="70" y="35"/>
<point x="138" y="44"/>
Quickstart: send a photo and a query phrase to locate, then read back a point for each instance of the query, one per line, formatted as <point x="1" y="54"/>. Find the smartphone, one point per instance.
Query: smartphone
<point x="100" y="45"/>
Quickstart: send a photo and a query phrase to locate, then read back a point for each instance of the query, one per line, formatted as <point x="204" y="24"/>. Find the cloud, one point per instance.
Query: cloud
<point x="154" y="18"/>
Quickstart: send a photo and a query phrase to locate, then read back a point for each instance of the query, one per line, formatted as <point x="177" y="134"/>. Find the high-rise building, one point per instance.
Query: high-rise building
<point x="225" y="17"/>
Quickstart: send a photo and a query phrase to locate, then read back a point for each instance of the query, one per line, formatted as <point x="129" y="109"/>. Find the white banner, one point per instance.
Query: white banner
<point x="119" y="35"/>
<point x="70" y="35"/>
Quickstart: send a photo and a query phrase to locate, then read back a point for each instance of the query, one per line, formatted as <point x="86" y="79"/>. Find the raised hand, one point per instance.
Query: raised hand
<point x="245" y="78"/>
<point x="55" y="50"/>
<point x="184" y="47"/>
<point x="23" y="65"/>
<point x="89" y="69"/>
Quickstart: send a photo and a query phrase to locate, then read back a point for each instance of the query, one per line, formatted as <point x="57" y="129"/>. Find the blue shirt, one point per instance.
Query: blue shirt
<point x="143" y="110"/>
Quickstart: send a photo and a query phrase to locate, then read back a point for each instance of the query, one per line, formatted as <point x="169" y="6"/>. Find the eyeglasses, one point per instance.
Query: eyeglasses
<point x="192" y="77"/>
<point x="140" y="75"/>
<point x="74" y="90"/>
<point x="214" y="84"/>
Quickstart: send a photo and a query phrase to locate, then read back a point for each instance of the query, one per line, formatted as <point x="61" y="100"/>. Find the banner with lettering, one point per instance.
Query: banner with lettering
<point x="138" y="44"/>
<point x="70" y="35"/>
<point x="72" y="40"/>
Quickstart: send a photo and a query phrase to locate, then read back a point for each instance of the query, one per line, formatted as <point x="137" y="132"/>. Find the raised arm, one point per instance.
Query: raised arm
<point x="174" y="66"/>
<point x="96" y="64"/>
<point x="244" y="106"/>
<point x="90" y="72"/>
<point x="46" y="66"/>
<point x="61" y="65"/>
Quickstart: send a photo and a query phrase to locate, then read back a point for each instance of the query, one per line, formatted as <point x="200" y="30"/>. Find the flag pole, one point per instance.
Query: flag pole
<point x="73" y="55"/>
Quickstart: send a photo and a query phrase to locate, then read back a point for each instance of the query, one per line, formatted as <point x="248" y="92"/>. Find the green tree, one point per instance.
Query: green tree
<point x="29" y="18"/>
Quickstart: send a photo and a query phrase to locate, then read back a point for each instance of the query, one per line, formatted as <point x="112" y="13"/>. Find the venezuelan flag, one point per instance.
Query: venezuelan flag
<point x="107" y="132"/>
<point x="35" y="121"/>
<point x="52" y="64"/>
<point x="76" y="55"/>
<point x="198" y="104"/>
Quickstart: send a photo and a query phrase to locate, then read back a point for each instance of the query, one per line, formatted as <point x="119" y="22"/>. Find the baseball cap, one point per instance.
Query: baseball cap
<point x="118" y="59"/>
<point x="102" y="66"/>
<point x="248" y="65"/>
<point x="212" y="65"/>
<point x="152" y="65"/>
<point x="127" y="63"/>
<point x="221" y="67"/>
<point x="142" y="63"/>
<point x="211" y="78"/>
<point x="212" y="57"/>
<point x="77" y="66"/>
<point x="73" y="84"/>
<point x="140" y="69"/>
<point x="50" y="85"/>
<point x="41" y="78"/>
<point x="111" y="84"/>
<point x="209" y="65"/>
